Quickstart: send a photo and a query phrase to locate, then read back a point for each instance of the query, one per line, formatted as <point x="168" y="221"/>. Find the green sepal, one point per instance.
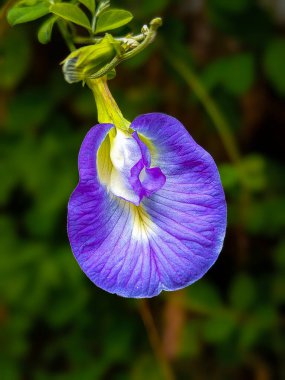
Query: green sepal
<point x="85" y="62"/>
<point x="45" y="31"/>
<point x="71" y="12"/>
<point x="112" y="19"/>
<point x="89" y="4"/>
<point x="27" y="11"/>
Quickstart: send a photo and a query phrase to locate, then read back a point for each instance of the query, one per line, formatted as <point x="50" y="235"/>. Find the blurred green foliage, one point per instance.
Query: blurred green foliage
<point x="54" y="323"/>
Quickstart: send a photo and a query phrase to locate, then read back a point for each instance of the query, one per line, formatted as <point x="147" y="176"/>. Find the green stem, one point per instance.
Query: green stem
<point x="108" y="110"/>
<point x="213" y="111"/>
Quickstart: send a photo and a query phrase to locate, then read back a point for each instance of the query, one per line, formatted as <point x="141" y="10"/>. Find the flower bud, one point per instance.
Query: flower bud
<point x="87" y="61"/>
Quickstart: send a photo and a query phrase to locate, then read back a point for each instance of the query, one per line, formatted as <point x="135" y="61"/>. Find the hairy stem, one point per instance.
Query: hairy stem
<point x="154" y="340"/>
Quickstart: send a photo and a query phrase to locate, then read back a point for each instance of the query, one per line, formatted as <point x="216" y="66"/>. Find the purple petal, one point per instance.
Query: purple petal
<point x="146" y="159"/>
<point x="167" y="242"/>
<point x="152" y="180"/>
<point x="146" y="181"/>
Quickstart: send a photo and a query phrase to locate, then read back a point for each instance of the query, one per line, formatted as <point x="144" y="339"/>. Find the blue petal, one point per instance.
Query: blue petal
<point x="146" y="158"/>
<point x="167" y="242"/>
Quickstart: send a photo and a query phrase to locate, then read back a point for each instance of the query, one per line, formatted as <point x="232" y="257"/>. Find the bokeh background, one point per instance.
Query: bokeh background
<point x="219" y="67"/>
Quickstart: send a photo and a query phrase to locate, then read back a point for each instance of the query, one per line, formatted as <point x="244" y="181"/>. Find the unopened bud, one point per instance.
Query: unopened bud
<point x="85" y="62"/>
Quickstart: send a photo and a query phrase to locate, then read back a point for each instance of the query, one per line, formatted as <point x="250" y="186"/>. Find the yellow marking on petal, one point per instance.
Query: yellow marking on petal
<point x="104" y="163"/>
<point x="143" y="226"/>
<point x="111" y="158"/>
<point x="152" y="149"/>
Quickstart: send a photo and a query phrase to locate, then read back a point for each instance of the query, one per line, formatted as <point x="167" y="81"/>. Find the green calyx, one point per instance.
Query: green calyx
<point x="101" y="58"/>
<point x="85" y="63"/>
<point x="107" y="108"/>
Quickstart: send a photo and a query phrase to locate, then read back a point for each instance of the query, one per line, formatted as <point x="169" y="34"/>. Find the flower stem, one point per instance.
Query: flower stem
<point x="155" y="340"/>
<point x="108" y="110"/>
<point x="213" y="111"/>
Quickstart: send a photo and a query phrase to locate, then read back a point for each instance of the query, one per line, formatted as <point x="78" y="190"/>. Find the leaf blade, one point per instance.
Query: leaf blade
<point x="70" y="12"/>
<point x="112" y="19"/>
<point x="89" y="4"/>
<point x="21" y="14"/>
<point x="45" y="31"/>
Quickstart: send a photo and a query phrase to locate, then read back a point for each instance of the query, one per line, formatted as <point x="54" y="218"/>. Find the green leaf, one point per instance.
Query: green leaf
<point x="89" y="4"/>
<point x="266" y="217"/>
<point x="20" y="14"/>
<point x="249" y="334"/>
<point x="71" y="13"/>
<point x="239" y="73"/>
<point x="112" y="19"/>
<point x="229" y="176"/>
<point x="274" y="64"/>
<point x="190" y="344"/>
<point x="234" y="73"/>
<point x="45" y="31"/>
<point x="253" y="172"/>
<point x="242" y="292"/>
<point x="202" y="297"/>
<point x="219" y="328"/>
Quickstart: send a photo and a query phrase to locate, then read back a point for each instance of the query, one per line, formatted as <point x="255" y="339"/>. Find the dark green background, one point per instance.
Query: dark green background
<point x="54" y="323"/>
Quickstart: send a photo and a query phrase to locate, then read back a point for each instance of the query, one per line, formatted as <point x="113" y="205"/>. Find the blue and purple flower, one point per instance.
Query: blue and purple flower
<point x="149" y="212"/>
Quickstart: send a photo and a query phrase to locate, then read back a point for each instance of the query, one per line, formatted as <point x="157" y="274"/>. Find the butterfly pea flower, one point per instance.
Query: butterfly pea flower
<point x="149" y="212"/>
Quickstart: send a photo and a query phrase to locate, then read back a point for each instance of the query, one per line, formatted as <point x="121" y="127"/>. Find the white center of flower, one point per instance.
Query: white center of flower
<point x="124" y="154"/>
